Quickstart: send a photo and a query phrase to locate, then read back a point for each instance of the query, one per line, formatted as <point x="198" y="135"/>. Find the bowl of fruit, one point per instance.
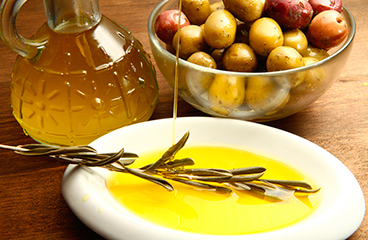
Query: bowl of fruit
<point x="251" y="59"/>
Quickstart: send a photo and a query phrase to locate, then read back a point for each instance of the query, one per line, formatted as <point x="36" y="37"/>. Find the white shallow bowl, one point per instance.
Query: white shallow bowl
<point x="340" y="213"/>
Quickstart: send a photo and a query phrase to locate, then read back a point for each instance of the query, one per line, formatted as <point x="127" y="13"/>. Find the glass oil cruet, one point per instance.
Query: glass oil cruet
<point x="80" y="76"/>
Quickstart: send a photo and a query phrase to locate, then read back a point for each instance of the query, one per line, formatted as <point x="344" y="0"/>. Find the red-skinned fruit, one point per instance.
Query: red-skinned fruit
<point x="289" y="14"/>
<point x="327" y="29"/>
<point x="323" y="5"/>
<point x="166" y="25"/>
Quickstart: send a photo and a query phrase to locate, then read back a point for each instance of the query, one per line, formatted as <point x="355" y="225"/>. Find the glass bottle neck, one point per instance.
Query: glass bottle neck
<point x="71" y="16"/>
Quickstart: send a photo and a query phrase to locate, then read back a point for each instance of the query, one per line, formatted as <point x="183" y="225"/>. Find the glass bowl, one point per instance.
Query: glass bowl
<point x="267" y="95"/>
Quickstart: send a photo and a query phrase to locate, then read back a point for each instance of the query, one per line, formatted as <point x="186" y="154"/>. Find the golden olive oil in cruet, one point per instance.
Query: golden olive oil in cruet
<point x="80" y="76"/>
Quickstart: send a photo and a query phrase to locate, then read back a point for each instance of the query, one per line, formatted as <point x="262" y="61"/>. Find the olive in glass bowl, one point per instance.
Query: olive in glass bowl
<point x="258" y="95"/>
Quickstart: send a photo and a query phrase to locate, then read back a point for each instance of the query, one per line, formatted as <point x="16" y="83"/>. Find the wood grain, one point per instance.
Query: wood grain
<point x="31" y="203"/>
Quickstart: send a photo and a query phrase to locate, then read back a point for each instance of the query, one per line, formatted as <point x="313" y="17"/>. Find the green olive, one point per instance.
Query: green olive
<point x="191" y="41"/>
<point x="239" y="57"/>
<point x="197" y="82"/>
<point x="245" y="10"/>
<point x="259" y="90"/>
<point x="314" y="77"/>
<point x="314" y="82"/>
<point x="265" y="95"/>
<point x="315" y="53"/>
<point x="217" y="6"/>
<point x="220" y="29"/>
<point x="197" y="11"/>
<point x="226" y="93"/>
<point x="284" y="58"/>
<point x="202" y="59"/>
<point x="295" y="38"/>
<point x="265" y="35"/>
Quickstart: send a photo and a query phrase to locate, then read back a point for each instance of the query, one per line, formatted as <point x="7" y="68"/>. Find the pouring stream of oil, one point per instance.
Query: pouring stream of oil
<point x="176" y="83"/>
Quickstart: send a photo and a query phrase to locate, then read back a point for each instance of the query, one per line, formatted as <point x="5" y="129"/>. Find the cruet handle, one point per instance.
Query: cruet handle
<point x="25" y="47"/>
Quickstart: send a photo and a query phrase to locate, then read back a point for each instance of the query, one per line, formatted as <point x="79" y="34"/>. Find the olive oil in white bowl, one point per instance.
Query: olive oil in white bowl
<point x="337" y="212"/>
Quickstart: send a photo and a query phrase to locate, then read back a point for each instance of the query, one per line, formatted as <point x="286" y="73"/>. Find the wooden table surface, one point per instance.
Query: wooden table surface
<point x="31" y="203"/>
